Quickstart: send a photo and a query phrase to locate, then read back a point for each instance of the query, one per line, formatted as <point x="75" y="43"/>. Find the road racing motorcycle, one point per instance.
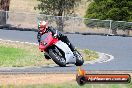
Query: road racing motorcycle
<point x="59" y="51"/>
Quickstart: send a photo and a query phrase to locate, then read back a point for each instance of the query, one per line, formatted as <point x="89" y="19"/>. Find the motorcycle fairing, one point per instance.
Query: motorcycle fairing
<point x="70" y="58"/>
<point x="46" y="42"/>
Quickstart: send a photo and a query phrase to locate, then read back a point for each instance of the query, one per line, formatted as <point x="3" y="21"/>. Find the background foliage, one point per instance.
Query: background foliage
<point x="57" y="8"/>
<point x="117" y="10"/>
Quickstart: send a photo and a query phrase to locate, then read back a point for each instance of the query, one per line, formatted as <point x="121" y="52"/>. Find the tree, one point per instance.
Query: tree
<point x="116" y="10"/>
<point x="4" y="5"/>
<point x="57" y="8"/>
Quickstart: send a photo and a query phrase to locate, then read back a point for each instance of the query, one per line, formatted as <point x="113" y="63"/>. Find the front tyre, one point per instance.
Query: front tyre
<point x="57" y="56"/>
<point x="79" y="58"/>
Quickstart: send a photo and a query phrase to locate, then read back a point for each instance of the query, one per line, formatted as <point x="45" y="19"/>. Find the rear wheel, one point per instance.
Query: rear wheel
<point x="79" y="58"/>
<point x="57" y="56"/>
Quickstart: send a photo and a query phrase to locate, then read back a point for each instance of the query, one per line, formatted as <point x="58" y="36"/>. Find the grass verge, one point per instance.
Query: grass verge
<point x="89" y="55"/>
<point x="18" y="55"/>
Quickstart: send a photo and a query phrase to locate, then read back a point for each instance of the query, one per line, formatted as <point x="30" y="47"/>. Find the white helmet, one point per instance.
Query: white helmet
<point x="42" y="25"/>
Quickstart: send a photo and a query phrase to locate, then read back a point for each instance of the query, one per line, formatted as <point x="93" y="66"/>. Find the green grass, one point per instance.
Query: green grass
<point x="20" y="55"/>
<point x="71" y="85"/>
<point x="90" y="55"/>
<point x="9" y="55"/>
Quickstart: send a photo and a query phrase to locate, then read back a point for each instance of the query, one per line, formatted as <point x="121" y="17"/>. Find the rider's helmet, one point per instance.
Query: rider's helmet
<point x="42" y="25"/>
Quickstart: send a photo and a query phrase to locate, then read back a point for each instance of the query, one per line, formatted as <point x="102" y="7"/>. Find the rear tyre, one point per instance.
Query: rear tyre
<point x="79" y="58"/>
<point x="57" y="56"/>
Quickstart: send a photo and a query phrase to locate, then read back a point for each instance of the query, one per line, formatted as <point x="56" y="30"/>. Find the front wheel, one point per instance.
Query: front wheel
<point x="57" y="56"/>
<point x="79" y="58"/>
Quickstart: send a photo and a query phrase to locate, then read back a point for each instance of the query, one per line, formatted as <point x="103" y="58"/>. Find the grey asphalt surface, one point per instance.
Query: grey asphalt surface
<point x="119" y="47"/>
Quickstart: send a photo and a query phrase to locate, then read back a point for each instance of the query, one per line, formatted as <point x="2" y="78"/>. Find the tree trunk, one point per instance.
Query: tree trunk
<point x="60" y="23"/>
<point x="4" y="6"/>
<point x="2" y="18"/>
<point x="59" y="20"/>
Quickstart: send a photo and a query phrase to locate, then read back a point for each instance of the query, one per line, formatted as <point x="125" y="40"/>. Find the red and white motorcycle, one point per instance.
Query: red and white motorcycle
<point x="59" y="51"/>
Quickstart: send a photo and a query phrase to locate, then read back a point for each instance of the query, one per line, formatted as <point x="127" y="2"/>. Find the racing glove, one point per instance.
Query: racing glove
<point x="56" y="34"/>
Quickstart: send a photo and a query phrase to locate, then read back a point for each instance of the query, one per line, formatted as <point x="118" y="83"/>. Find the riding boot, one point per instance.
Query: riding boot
<point x="72" y="47"/>
<point x="69" y="44"/>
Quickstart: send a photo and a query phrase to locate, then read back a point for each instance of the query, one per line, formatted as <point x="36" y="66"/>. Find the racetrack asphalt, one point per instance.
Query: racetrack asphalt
<point x="119" y="47"/>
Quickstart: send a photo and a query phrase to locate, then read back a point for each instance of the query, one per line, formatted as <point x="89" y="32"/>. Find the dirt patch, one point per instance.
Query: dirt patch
<point x="29" y="79"/>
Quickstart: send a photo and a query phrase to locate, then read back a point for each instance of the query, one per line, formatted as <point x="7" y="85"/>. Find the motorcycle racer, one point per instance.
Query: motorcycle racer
<point x="44" y="28"/>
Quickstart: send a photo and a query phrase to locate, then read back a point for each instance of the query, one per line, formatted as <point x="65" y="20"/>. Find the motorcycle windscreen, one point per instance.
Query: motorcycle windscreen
<point x="48" y="40"/>
<point x="47" y="37"/>
<point x="70" y="58"/>
<point x="44" y="36"/>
